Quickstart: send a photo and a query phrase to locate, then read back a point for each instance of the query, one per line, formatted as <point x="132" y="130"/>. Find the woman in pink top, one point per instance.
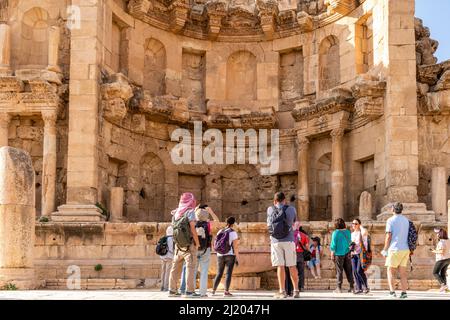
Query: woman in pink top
<point x="442" y="252"/>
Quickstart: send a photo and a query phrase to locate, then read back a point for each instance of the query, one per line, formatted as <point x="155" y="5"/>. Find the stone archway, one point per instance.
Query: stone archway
<point x="321" y="197"/>
<point x="34" y="38"/>
<point x="329" y="63"/>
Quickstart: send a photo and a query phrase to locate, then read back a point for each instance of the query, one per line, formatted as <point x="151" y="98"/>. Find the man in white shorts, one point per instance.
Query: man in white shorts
<point x="280" y="220"/>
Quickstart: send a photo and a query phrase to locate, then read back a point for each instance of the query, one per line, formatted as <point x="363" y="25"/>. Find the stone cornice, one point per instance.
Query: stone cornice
<point x="227" y="21"/>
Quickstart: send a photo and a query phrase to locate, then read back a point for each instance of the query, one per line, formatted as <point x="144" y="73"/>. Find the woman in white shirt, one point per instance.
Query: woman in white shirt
<point x="359" y="233"/>
<point x="442" y="252"/>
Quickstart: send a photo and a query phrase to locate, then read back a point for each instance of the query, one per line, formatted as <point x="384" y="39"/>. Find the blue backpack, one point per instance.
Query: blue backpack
<point x="278" y="225"/>
<point x="412" y="236"/>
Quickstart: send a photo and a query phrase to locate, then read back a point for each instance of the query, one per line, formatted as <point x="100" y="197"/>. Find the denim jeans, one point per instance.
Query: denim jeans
<point x="358" y="274"/>
<point x="223" y="261"/>
<point x="203" y="266"/>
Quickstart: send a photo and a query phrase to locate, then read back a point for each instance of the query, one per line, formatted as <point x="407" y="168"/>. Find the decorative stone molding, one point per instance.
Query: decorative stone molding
<point x="268" y="11"/>
<point x="139" y="7"/>
<point x="115" y="96"/>
<point x="256" y="120"/>
<point x="49" y="118"/>
<point x="337" y="133"/>
<point x="165" y="109"/>
<point x="178" y="15"/>
<point x="216" y="11"/>
<point x="305" y="21"/>
<point x="303" y="143"/>
<point x="369" y="95"/>
<point x="341" y="6"/>
<point x="339" y="100"/>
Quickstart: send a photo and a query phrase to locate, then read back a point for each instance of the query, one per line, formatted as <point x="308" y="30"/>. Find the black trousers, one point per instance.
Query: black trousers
<point x="440" y="271"/>
<point x="222" y="262"/>
<point x="300" y="272"/>
<point x="344" y="264"/>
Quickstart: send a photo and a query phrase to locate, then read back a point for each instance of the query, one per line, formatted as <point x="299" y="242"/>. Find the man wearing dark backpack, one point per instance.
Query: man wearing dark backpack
<point x="186" y="244"/>
<point x="396" y="248"/>
<point x="280" y="220"/>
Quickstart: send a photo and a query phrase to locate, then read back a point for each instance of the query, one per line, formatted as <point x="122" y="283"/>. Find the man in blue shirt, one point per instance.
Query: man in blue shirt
<point x="283" y="252"/>
<point x="396" y="248"/>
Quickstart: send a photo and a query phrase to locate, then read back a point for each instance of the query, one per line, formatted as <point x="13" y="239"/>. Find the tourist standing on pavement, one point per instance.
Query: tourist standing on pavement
<point x="203" y="228"/>
<point x="280" y="221"/>
<point x="360" y="239"/>
<point x="166" y="259"/>
<point x="186" y="244"/>
<point x="442" y="252"/>
<point x="226" y="246"/>
<point x="341" y="240"/>
<point x="316" y="255"/>
<point x="302" y="245"/>
<point x="396" y="249"/>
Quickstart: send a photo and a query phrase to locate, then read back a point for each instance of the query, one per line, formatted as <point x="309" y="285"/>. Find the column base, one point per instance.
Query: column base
<point x="22" y="278"/>
<point x="77" y="213"/>
<point x="413" y="211"/>
<point x="5" y="72"/>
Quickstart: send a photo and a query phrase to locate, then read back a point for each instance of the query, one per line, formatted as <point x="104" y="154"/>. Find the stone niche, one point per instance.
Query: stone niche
<point x="241" y="76"/>
<point x="291" y="79"/>
<point x="329" y="63"/>
<point x="155" y="60"/>
<point x="193" y="80"/>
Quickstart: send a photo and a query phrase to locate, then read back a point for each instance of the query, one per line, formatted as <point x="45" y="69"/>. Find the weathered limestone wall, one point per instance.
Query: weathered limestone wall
<point x="127" y="253"/>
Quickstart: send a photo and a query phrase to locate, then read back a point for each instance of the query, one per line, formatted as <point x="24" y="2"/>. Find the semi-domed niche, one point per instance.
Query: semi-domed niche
<point x="34" y="38"/>
<point x="155" y="67"/>
<point x="329" y="63"/>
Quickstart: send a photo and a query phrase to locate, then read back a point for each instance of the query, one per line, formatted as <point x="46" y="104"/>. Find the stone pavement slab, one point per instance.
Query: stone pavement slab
<point x="238" y="295"/>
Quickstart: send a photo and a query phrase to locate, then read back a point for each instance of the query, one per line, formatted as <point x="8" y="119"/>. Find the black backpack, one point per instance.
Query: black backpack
<point x="205" y="242"/>
<point x="162" y="248"/>
<point x="278" y="225"/>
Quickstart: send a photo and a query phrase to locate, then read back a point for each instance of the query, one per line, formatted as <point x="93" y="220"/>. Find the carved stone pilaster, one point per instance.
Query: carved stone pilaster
<point x="268" y="11"/>
<point x="178" y="15"/>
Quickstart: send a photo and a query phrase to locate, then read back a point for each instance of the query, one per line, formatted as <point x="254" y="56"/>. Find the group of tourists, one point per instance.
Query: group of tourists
<point x="187" y="247"/>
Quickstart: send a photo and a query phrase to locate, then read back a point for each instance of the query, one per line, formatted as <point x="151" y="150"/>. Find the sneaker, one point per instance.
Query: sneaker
<point x="227" y="294"/>
<point x="358" y="292"/>
<point x="280" y="295"/>
<point x="444" y="289"/>
<point x="174" y="294"/>
<point x="403" y="295"/>
<point x="337" y="290"/>
<point x="204" y="295"/>
<point x="191" y="295"/>
<point x="367" y="291"/>
<point x="213" y="292"/>
<point x="296" y="295"/>
<point x="392" y="295"/>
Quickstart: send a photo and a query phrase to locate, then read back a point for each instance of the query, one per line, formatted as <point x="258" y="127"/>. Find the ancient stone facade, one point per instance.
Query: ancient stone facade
<point x="93" y="91"/>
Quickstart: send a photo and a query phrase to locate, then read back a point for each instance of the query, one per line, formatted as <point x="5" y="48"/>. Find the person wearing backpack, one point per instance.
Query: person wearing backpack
<point x="341" y="240"/>
<point x="303" y="253"/>
<point x="397" y="249"/>
<point x="165" y="250"/>
<point x="360" y="238"/>
<point x="186" y="244"/>
<point x="203" y="228"/>
<point x="280" y="221"/>
<point x="226" y="247"/>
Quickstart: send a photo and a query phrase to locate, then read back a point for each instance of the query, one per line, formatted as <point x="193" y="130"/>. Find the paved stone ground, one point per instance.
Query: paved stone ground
<point x="238" y="295"/>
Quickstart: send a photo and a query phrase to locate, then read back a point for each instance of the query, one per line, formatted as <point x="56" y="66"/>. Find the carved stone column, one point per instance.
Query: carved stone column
<point x="5" y="119"/>
<point x="49" y="163"/>
<point x="116" y="204"/>
<point x="337" y="174"/>
<point x="53" y="49"/>
<point x="439" y="192"/>
<point x="303" y="191"/>
<point x="5" y="49"/>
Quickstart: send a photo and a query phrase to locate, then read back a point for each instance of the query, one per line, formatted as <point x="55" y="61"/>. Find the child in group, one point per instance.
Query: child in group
<point x="316" y="253"/>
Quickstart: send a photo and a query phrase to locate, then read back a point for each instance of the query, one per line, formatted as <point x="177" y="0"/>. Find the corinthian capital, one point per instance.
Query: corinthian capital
<point x="337" y="133"/>
<point x="49" y="118"/>
<point x="303" y="143"/>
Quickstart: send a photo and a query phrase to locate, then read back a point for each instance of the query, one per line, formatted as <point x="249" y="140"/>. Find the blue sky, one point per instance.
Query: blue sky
<point x="436" y="15"/>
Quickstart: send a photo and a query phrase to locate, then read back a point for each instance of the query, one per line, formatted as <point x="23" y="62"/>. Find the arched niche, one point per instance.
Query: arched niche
<point x="155" y="61"/>
<point x="241" y="76"/>
<point x="34" y="38"/>
<point x="329" y="63"/>
<point x="321" y="197"/>
<point x="152" y="188"/>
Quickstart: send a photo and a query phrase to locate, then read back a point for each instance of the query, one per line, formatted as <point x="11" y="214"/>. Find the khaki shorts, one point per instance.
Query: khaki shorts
<point x="397" y="259"/>
<point x="283" y="254"/>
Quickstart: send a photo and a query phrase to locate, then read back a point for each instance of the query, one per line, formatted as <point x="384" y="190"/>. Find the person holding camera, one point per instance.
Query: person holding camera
<point x="341" y="245"/>
<point x="360" y="239"/>
<point x="226" y="246"/>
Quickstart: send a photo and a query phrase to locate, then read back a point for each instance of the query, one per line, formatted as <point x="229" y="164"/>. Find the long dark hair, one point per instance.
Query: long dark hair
<point x="339" y="223"/>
